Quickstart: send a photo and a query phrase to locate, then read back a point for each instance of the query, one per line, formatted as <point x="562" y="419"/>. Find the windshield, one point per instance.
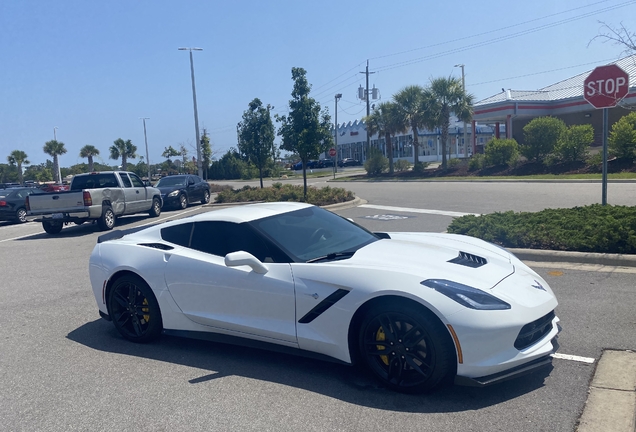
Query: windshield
<point x="312" y="232"/>
<point x="171" y="181"/>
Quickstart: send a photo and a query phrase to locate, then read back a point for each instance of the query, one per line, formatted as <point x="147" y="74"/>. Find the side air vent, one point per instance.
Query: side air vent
<point x="469" y="260"/>
<point x="157" y="246"/>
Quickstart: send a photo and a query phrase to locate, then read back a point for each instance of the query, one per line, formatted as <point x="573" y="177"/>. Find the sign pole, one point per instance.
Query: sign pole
<point x="605" y="128"/>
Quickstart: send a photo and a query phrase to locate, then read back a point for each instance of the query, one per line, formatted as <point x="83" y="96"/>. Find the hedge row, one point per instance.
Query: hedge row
<point x="594" y="228"/>
<point x="279" y="192"/>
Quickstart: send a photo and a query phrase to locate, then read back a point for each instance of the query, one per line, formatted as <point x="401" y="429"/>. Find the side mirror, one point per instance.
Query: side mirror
<point x="242" y="258"/>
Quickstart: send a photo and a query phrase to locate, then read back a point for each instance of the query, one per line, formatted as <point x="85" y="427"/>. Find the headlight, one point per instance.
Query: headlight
<point x="465" y="295"/>
<point x="173" y="193"/>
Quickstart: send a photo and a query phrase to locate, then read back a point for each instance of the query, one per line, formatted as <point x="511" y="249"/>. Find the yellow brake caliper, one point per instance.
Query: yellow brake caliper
<point x="146" y="310"/>
<point x="380" y="336"/>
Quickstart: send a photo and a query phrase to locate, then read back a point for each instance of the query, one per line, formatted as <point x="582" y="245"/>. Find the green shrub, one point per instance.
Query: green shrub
<point x="420" y="167"/>
<point x="401" y="165"/>
<point x="574" y="142"/>
<point x="502" y="151"/>
<point x="452" y="163"/>
<point x="376" y="163"/>
<point x="476" y="162"/>
<point x="595" y="159"/>
<point x="622" y="138"/>
<point x="286" y="192"/>
<point x="594" y="228"/>
<point x="541" y="136"/>
<point x="214" y="188"/>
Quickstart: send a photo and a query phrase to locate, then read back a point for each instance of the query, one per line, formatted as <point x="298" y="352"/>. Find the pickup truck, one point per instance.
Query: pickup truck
<point x="99" y="196"/>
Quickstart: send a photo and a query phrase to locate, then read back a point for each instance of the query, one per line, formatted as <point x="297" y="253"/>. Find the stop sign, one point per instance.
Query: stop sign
<point x="332" y="152"/>
<point x="606" y="86"/>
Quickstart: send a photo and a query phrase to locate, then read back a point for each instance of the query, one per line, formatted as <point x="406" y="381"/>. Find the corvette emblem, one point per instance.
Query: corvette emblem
<point x="538" y="286"/>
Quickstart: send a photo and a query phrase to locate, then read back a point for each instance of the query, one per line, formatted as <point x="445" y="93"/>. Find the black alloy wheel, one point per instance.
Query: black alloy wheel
<point x="134" y="309"/>
<point x="183" y="201"/>
<point x="406" y="348"/>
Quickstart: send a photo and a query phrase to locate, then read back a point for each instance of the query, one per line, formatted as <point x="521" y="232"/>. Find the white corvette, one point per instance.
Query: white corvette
<point x="418" y="309"/>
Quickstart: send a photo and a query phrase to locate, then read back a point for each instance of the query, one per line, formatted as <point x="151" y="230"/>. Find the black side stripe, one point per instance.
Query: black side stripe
<point x="321" y="307"/>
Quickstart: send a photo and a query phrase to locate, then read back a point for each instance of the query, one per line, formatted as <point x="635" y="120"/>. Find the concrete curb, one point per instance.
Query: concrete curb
<point x="614" y="260"/>
<point x="611" y="402"/>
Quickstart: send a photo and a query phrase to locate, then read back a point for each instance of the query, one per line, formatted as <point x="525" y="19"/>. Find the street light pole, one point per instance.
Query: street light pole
<point x="146" y="141"/>
<point x="464" y="88"/>
<point x="335" y="162"/>
<point x="196" y="114"/>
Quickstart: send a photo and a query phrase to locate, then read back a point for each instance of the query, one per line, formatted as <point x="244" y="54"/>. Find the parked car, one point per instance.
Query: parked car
<point x="418" y="309"/>
<point x="310" y="165"/>
<point x="325" y="163"/>
<point x="181" y="190"/>
<point x="348" y="162"/>
<point x="97" y="196"/>
<point x="12" y="203"/>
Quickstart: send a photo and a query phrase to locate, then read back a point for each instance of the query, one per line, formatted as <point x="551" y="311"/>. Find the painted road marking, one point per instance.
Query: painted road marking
<point x="416" y="210"/>
<point x="574" y="358"/>
<point x="386" y="217"/>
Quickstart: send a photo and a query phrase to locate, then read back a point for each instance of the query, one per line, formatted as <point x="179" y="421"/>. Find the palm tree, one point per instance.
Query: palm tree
<point x="412" y="111"/>
<point x="446" y="96"/>
<point x="88" y="151"/>
<point x="124" y="150"/>
<point x="385" y="121"/>
<point x="55" y="148"/>
<point x="18" y="157"/>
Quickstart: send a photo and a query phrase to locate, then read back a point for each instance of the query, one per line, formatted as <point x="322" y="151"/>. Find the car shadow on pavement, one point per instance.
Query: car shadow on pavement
<point x="339" y="381"/>
<point x="73" y="230"/>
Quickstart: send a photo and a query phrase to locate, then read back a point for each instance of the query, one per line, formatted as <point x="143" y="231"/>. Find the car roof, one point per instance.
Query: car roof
<point x="247" y="213"/>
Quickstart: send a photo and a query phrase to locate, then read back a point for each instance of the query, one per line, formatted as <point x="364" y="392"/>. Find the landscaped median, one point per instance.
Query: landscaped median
<point x="285" y="192"/>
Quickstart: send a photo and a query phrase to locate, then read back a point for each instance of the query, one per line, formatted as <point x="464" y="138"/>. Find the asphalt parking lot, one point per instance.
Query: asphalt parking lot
<point x="63" y="368"/>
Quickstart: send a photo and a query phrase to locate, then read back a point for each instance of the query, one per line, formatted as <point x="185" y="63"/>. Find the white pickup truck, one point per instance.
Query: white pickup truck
<point x="100" y="196"/>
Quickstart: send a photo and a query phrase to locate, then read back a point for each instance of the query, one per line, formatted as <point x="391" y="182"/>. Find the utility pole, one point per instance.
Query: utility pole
<point x="366" y="96"/>
<point x="146" y="140"/>
<point x="464" y="88"/>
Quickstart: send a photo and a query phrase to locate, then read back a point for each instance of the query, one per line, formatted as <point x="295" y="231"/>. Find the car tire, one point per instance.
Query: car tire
<point x="155" y="208"/>
<point x="52" y="227"/>
<point x="21" y="215"/>
<point x="106" y="222"/>
<point x="206" y="197"/>
<point x="134" y="309"/>
<point x="183" y="201"/>
<point x="406" y="347"/>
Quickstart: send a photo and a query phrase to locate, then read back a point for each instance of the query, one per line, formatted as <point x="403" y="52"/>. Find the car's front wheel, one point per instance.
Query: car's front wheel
<point x="134" y="309"/>
<point x="206" y="197"/>
<point x="406" y="347"/>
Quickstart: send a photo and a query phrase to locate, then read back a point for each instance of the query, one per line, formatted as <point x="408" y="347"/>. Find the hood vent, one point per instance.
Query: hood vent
<point x="469" y="260"/>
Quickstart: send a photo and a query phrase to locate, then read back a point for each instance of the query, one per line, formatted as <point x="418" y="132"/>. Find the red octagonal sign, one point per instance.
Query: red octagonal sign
<point x="606" y="86"/>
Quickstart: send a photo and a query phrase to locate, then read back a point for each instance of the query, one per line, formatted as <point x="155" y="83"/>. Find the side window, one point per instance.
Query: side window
<point x="178" y="234"/>
<point x="221" y="238"/>
<point x="136" y="181"/>
<point x="125" y="180"/>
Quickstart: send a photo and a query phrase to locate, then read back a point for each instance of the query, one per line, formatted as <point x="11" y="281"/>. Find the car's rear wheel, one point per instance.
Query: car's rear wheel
<point x="155" y="209"/>
<point x="52" y="227"/>
<point x="107" y="220"/>
<point x="206" y="197"/>
<point x="21" y="215"/>
<point x="406" y="347"/>
<point x="183" y="201"/>
<point x="134" y="309"/>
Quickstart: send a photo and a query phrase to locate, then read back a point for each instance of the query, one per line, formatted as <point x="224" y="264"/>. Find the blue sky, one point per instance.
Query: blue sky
<point x="92" y="69"/>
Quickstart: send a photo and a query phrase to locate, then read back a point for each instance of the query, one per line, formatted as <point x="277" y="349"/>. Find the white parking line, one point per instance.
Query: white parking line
<point x="416" y="210"/>
<point x="573" y="358"/>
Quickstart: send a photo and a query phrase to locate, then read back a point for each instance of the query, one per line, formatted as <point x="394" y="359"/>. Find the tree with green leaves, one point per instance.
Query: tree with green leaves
<point x="622" y="138"/>
<point x="256" y="135"/>
<point x="574" y="143"/>
<point x="306" y="130"/>
<point x="170" y="152"/>
<point x="443" y="97"/>
<point x="88" y="151"/>
<point x="541" y="135"/>
<point x="124" y="150"/>
<point x="55" y="148"/>
<point x="206" y="153"/>
<point x="385" y="120"/>
<point x="18" y="158"/>
<point x="412" y="112"/>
